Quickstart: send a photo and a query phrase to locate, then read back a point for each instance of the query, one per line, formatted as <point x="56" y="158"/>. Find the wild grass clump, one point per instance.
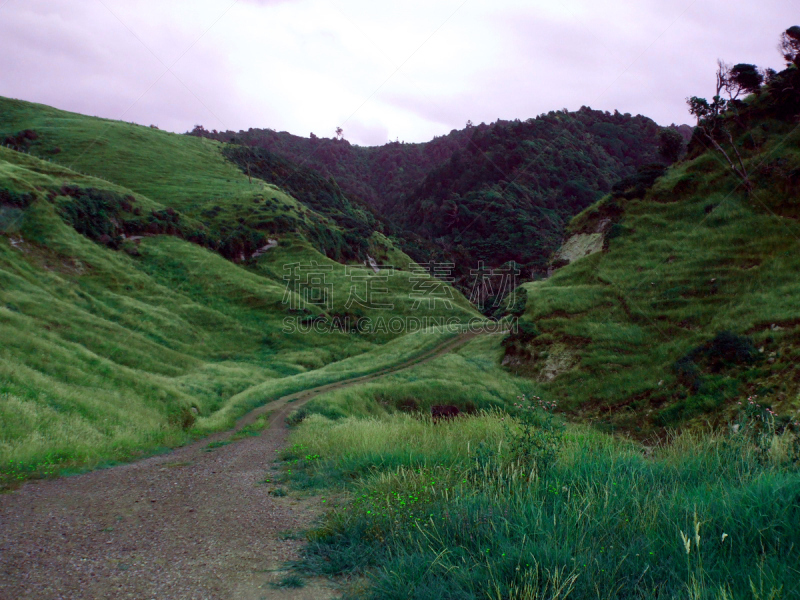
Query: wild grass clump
<point x="470" y="378"/>
<point x="480" y="507"/>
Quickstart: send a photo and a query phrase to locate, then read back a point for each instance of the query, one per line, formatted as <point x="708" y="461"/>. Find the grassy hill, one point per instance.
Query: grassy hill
<point x="133" y="306"/>
<point x="692" y="304"/>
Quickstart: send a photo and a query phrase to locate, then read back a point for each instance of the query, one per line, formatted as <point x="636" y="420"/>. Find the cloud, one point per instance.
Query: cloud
<point x="368" y="134"/>
<point x="406" y="70"/>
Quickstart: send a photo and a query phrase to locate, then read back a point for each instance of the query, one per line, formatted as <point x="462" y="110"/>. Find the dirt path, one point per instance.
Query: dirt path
<point x="196" y="523"/>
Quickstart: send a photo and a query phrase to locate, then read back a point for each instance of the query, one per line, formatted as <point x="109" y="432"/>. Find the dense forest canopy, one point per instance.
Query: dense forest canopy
<point x="500" y="194"/>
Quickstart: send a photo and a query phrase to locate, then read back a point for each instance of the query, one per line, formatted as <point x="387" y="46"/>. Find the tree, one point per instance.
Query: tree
<point x="339" y="133"/>
<point x="744" y="78"/>
<point x="670" y="145"/>
<point x="790" y="46"/>
<point x="711" y="121"/>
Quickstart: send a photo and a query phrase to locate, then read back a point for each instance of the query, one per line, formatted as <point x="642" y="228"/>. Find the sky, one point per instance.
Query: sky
<point x="382" y="70"/>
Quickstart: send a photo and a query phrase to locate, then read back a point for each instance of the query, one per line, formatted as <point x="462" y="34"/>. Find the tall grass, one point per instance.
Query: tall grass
<point x="443" y="511"/>
<point x="470" y="377"/>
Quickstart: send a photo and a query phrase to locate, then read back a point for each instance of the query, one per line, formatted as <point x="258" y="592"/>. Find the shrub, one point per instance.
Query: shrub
<point x="407" y="405"/>
<point x="523" y="333"/>
<point x="182" y="417"/>
<point x="296" y="417"/>
<point x="637" y="185"/>
<point x="733" y="348"/>
<point x="22" y="140"/>
<point x="97" y="214"/>
<point x="14" y="199"/>
<point x="536" y="442"/>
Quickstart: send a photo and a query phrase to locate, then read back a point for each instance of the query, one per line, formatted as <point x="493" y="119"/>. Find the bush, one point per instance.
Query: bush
<point x="407" y="405"/>
<point x="15" y="199"/>
<point x="699" y="372"/>
<point x="182" y="418"/>
<point x="525" y="331"/>
<point x="297" y="417"/>
<point x="637" y="185"/>
<point x="536" y="442"/>
<point x="22" y="140"/>
<point x="97" y="214"/>
<point x="730" y="349"/>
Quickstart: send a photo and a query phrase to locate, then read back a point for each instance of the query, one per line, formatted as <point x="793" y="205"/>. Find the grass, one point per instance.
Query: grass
<point x="469" y="377"/>
<point x="458" y="514"/>
<point x="290" y="582"/>
<point x="695" y="256"/>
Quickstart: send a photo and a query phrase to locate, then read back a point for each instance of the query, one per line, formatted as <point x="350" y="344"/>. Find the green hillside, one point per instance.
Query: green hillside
<point x="692" y="304"/>
<point x="128" y="317"/>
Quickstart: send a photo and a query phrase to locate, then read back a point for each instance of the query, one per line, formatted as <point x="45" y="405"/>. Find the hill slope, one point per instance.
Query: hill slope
<point x="691" y="305"/>
<point x="133" y="307"/>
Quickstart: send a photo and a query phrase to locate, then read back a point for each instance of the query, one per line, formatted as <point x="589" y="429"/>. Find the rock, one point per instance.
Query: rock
<point x="560" y="359"/>
<point x="579" y="246"/>
<point x="372" y="263"/>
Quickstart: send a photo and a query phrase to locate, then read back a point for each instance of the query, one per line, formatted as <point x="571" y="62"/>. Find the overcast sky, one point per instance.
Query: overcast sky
<point x="382" y="70"/>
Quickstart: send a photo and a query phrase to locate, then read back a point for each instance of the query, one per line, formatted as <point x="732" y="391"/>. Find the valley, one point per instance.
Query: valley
<point x="548" y="358"/>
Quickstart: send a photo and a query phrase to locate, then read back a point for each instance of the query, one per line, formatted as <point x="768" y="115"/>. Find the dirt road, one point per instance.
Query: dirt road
<point x="197" y="523"/>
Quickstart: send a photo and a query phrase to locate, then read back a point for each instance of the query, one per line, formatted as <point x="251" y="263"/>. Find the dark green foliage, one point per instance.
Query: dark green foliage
<point x="497" y="193"/>
<point x="746" y="77"/>
<point x="21" y="141"/>
<point x="508" y="194"/>
<point x="375" y="176"/>
<point x="727" y="349"/>
<point x="790" y="45"/>
<point x="637" y="185"/>
<point x="535" y="444"/>
<point x="97" y="214"/>
<point x="15" y="199"/>
<point x="670" y="145"/>
<point x="297" y="417"/>
<point x="784" y="95"/>
<point x="517" y="302"/>
<point x="616" y="230"/>
<point x="320" y="195"/>
<point x="701" y="372"/>
<point x="687" y="372"/>
<point x="523" y="333"/>
<point x="106" y="216"/>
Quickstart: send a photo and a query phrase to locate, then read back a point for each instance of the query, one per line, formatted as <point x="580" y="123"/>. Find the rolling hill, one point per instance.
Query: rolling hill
<point x="143" y="286"/>
<point x="681" y="296"/>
